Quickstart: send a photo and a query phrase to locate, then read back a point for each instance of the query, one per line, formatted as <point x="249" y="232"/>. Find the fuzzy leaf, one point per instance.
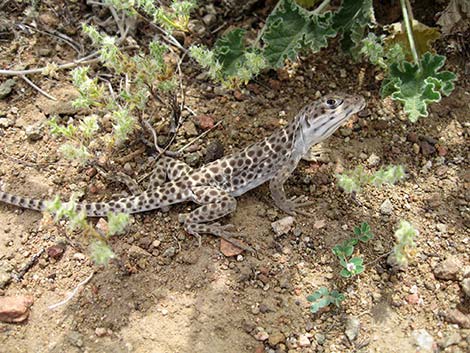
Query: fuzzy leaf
<point x="416" y="87"/>
<point x="290" y="29"/>
<point x="351" y="21"/>
<point x="229" y="51"/>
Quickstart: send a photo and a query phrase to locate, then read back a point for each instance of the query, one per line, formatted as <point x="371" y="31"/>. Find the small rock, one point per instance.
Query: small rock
<point x="209" y="19"/>
<point x="413" y="298"/>
<point x="450" y="340"/>
<point x="56" y="251"/>
<point x="192" y="159"/>
<point x="303" y="341"/>
<point x="75" y="339"/>
<point x="214" y="150"/>
<point x="15" y="309"/>
<point x="189" y="128"/>
<point x="136" y="252"/>
<point x="386" y="208"/>
<point x="320" y="338"/>
<point x="423" y="340"/>
<point x="412" y="137"/>
<point x="6" y="88"/>
<point x="276" y="338"/>
<point x="465" y="286"/>
<point x="373" y="160"/>
<point x="100" y="331"/>
<point x="102" y="225"/>
<point x="441" y="150"/>
<point x="455" y="316"/>
<point x="260" y="334"/>
<point x="441" y="228"/>
<point x="5" y="123"/>
<point x="448" y="269"/>
<point x="170" y="252"/>
<point x="274" y="84"/>
<point x="79" y="256"/>
<point x="352" y="328"/>
<point x="5" y="278"/>
<point x="229" y="249"/>
<point x="34" y="132"/>
<point x="283" y="226"/>
<point x="426" y="148"/>
<point x="156" y="243"/>
<point x="205" y="122"/>
<point x="345" y="131"/>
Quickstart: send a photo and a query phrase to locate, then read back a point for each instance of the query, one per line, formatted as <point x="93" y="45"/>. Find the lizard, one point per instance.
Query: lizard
<point x="216" y="185"/>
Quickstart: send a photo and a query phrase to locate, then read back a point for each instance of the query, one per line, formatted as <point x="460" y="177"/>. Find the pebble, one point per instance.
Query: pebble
<point x="426" y="148"/>
<point x="441" y="228"/>
<point x="283" y="226"/>
<point x="386" y="208"/>
<point x="214" y="150"/>
<point x="455" y="316"/>
<point x="209" y="19"/>
<point x="303" y="341"/>
<point x="373" y="160"/>
<point x="100" y="331"/>
<point x="56" y="251"/>
<point x="465" y="286"/>
<point x="5" y="123"/>
<point x="260" y="334"/>
<point x="423" y="340"/>
<point x="352" y="328"/>
<point x="276" y="338"/>
<point x="170" y="252"/>
<point x="450" y="340"/>
<point x="35" y="131"/>
<point x="5" y="277"/>
<point x="345" y="131"/>
<point x="205" y="122"/>
<point x="75" y="339"/>
<point x="79" y="256"/>
<point x="6" y="88"/>
<point x="448" y="269"/>
<point x="189" y="128"/>
<point x="15" y="309"/>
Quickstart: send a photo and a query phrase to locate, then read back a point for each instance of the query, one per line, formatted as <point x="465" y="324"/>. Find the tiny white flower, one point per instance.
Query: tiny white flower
<point x="350" y="267"/>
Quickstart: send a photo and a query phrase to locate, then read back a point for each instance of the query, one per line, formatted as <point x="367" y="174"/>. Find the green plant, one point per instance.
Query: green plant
<point x="351" y="181"/>
<point x="100" y="251"/>
<point x="323" y="297"/>
<point x="352" y="265"/>
<point x="291" y="29"/>
<point x="405" y="247"/>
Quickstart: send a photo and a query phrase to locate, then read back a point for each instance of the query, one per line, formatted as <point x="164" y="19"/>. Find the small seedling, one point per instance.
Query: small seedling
<point x="353" y="180"/>
<point x="405" y="247"/>
<point x="100" y="251"/>
<point x="352" y="265"/>
<point x="322" y="298"/>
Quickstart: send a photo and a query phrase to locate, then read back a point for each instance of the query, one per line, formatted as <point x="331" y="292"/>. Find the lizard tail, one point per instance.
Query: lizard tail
<point x="146" y="201"/>
<point x="25" y="202"/>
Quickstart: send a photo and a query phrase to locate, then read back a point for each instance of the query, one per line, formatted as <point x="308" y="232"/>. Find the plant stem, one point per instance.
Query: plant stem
<point x="260" y="34"/>
<point x="321" y="7"/>
<point x="409" y="31"/>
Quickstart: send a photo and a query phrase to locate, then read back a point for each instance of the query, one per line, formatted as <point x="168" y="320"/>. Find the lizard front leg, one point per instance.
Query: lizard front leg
<point x="276" y="186"/>
<point x="215" y="203"/>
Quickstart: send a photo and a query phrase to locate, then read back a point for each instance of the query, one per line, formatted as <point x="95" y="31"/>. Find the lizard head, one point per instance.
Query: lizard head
<point x="320" y="119"/>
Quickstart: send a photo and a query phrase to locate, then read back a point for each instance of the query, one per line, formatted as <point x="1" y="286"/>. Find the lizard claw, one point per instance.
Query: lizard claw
<point x="293" y="205"/>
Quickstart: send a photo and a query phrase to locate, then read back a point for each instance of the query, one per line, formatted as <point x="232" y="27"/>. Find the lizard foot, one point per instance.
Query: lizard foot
<point x="293" y="205"/>
<point x="218" y="230"/>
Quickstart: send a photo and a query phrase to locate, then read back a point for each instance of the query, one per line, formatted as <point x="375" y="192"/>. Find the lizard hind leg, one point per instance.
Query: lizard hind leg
<point x="215" y="203"/>
<point x="167" y="169"/>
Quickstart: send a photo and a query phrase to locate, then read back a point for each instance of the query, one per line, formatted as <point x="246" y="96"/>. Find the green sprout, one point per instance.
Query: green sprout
<point x="353" y="180"/>
<point x="322" y="298"/>
<point x="405" y="247"/>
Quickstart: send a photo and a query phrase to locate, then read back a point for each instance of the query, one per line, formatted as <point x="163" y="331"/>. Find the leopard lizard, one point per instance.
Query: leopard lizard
<point x="215" y="186"/>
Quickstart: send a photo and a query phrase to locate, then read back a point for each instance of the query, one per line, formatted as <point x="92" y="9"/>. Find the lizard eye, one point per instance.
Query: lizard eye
<point x="333" y="103"/>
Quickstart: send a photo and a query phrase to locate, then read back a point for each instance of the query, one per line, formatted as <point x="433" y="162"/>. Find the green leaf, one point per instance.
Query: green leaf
<point x="290" y="29"/>
<point x="416" y="87"/>
<point x="345" y="273"/>
<point x="101" y="253"/>
<point x="351" y="20"/>
<point x="230" y="51"/>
